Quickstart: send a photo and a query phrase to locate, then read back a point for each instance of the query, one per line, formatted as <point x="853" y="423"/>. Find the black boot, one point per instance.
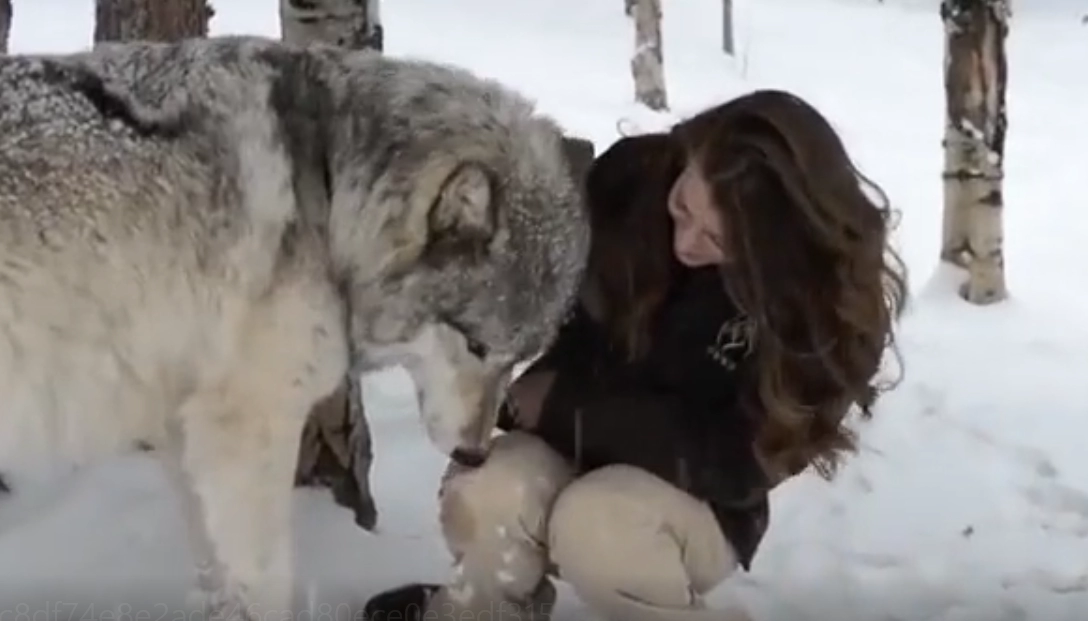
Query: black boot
<point x="409" y="603"/>
<point x="406" y="603"/>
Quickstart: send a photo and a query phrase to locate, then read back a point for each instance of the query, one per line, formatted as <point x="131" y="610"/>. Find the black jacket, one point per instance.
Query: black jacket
<point x="673" y="412"/>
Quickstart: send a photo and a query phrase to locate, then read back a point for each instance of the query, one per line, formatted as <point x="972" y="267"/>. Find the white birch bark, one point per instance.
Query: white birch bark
<point x="647" y="62"/>
<point x="355" y="24"/>
<point x="974" y="144"/>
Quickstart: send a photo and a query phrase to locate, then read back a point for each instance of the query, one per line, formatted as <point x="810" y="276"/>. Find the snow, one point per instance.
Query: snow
<point x="969" y="500"/>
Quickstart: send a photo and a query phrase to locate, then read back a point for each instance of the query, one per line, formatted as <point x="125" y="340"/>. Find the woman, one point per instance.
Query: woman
<point x="739" y="298"/>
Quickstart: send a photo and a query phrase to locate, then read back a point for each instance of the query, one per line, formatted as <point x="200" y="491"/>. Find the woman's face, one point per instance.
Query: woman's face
<point x="698" y="240"/>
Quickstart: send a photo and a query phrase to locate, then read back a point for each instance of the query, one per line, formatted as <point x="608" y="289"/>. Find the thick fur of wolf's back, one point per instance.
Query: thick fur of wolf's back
<point x="194" y="236"/>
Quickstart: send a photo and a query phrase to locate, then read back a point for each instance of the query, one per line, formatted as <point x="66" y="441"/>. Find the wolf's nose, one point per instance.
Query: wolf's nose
<point x="469" y="458"/>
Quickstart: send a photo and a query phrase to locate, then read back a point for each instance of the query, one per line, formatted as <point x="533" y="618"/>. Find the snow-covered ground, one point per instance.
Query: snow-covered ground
<point x="970" y="498"/>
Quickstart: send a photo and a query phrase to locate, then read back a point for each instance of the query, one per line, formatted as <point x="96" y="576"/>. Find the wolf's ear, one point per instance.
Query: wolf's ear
<point x="461" y="221"/>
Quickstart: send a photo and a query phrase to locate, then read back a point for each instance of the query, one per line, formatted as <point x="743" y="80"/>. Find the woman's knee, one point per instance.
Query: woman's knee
<point x="509" y="496"/>
<point x="622" y="529"/>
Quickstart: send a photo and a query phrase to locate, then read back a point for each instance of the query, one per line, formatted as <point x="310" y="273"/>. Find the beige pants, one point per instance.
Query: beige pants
<point x="632" y="546"/>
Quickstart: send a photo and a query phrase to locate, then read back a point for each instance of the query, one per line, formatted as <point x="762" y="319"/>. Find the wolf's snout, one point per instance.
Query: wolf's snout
<point x="458" y="394"/>
<point x="469" y="458"/>
<point x="460" y="416"/>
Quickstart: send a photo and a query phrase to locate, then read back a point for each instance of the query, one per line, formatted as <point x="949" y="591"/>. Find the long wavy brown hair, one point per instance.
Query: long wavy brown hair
<point x="812" y="267"/>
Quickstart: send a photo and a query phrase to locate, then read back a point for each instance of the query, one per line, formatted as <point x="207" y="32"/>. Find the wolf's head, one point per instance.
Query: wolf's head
<point x="462" y="234"/>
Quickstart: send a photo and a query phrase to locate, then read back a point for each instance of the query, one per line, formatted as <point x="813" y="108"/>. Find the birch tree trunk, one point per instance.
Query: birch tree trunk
<point x="974" y="144"/>
<point x="151" y="20"/>
<point x="729" y="45"/>
<point x="354" y="24"/>
<point x="5" y="24"/>
<point x="336" y="450"/>
<point x="647" y="63"/>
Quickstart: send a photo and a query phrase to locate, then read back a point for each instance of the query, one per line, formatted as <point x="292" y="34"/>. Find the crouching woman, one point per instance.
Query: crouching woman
<point x="740" y="296"/>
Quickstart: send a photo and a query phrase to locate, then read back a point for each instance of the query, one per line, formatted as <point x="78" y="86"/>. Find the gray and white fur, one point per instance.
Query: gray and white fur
<point x="196" y="237"/>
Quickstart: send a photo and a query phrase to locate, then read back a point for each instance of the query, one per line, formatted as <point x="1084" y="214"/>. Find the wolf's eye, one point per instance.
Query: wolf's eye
<point x="474" y="345"/>
<point x="476" y="348"/>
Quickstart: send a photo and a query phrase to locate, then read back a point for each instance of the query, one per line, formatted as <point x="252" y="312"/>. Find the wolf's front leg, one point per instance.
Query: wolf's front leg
<point x="239" y="455"/>
<point x="209" y="576"/>
<point x="240" y="440"/>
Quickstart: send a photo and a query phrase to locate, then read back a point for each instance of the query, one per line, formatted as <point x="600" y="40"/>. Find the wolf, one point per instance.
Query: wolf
<point x="199" y="239"/>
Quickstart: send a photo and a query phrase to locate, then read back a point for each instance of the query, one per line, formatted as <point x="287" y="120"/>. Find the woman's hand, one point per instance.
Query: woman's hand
<point x="526" y="397"/>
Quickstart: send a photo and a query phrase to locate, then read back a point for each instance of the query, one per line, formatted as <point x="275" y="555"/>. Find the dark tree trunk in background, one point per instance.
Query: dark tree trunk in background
<point x="729" y="45"/>
<point x="151" y="20"/>
<point x="974" y="144"/>
<point x="336" y="450"/>
<point x="5" y="24"/>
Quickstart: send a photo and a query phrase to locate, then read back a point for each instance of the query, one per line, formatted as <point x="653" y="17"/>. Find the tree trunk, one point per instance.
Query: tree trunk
<point x="974" y="144"/>
<point x="336" y="452"/>
<point x="5" y="24"/>
<point x="728" y="41"/>
<point x="151" y="20"/>
<point x="647" y="63"/>
<point x="336" y="449"/>
<point x="354" y="24"/>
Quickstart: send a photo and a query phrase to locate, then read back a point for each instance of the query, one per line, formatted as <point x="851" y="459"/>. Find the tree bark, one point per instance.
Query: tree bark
<point x="336" y="450"/>
<point x="5" y="24"/>
<point x="355" y="24"/>
<point x="151" y="20"/>
<point x="729" y="45"/>
<point x="974" y="144"/>
<point x="647" y="63"/>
